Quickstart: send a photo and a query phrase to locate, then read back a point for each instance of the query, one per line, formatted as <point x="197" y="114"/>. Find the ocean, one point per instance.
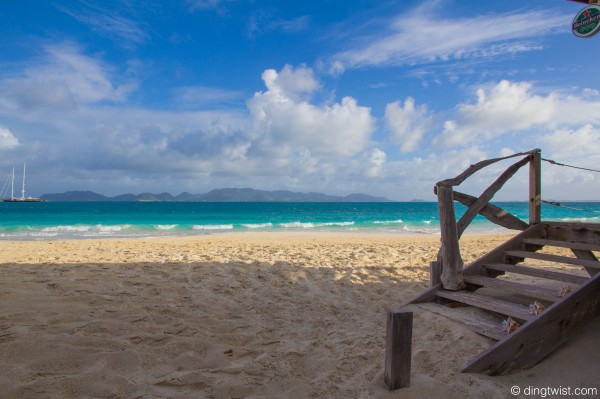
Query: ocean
<point x="77" y="220"/>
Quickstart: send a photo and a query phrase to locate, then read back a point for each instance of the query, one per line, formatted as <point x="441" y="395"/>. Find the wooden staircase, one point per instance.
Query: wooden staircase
<point x="531" y="309"/>
<point x="510" y="281"/>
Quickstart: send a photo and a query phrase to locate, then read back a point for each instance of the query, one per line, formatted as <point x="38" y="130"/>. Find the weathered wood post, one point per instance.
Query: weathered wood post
<point x="435" y="273"/>
<point x="452" y="263"/>
<point x="535" y="187"/>
<point x="398" y="349"/>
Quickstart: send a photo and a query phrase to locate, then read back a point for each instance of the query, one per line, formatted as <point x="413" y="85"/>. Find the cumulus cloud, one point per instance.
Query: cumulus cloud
<point x="408" y="123"/>
<point x="514" y="106"/>
<point x="376" y="161"/>
<point x="282" y="138"/>
<point x="7" y="139"/>
<point x="506" y="107"/>
<point x="424" y="35"/>
<point x="284" y="121"/>
<point x="291" y="83"/>
<point x="573" y="144"/>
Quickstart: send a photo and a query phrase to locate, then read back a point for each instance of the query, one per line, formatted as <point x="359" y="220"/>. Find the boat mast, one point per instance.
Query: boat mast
<point x="12" y="186"/>
<point x="23" y="190"/>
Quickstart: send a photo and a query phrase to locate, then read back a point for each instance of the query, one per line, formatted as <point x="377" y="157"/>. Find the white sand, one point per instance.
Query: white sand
<point x="242" y="316"/>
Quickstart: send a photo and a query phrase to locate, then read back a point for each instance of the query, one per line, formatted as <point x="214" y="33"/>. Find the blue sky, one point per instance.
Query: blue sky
<point x="335" y="96"/>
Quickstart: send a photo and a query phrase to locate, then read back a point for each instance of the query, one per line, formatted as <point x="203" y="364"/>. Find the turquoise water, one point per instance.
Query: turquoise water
<point x="59" y="220"/>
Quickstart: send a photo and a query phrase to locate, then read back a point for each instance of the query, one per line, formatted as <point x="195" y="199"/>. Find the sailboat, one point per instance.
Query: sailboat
<point x="22" y="198"/>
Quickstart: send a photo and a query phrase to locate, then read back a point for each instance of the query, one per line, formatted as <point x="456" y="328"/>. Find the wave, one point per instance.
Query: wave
<point x="212" y="227"/>
<point x="398" y="221"/>
<point x="99" y="228"/>
<point x="583" y="219"/>
<point x="257" y="225"/>
<point x="420" y="230"/>
<point x="340" y="224"/>
<point x="304" y="225"/>
<point x="165" y="226"/>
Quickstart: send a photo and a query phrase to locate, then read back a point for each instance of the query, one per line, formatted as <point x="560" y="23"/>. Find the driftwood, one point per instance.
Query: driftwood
<point x="478" y="166"/>
<point x="493" y="213"/>
<point x="487" y="195"/>
<point x="449" y="255"/>
<point x="452" y="263"/>
<point x="535" y="188"/>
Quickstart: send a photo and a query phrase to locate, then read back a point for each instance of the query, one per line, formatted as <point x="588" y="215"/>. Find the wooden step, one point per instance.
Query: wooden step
<point x="554" y="258"/>
<point x="475" y="321"/>
<point x="488" y="329"/>
<point x="563" y="244"/>
<point x="529" y="290"/>
<point x="536" y="339"/>
<point x="537" y="272"/>
<point x="489" y="303"/>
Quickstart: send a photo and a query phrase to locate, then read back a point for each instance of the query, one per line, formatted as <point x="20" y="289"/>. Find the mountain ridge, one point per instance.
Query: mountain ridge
<point x="216" y="195"/>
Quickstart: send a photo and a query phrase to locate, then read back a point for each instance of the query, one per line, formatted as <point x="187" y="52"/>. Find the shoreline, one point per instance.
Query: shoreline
<point x="471" y="231"/>
<point x="190" y="248"/>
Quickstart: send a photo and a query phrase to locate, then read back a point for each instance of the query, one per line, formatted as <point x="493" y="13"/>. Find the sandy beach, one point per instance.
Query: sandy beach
<point x="253" y="315"/>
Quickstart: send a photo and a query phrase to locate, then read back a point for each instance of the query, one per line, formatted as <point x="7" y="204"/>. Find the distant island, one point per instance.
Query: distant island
<point x="218" y="195"/>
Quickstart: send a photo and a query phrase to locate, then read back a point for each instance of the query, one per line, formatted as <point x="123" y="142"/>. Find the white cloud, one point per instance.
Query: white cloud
<point x="377" y="160"/>
<point x="63" y="79"/>
<point x="514" y="106"/>
<point x="424" y="35"/>
<point x="577" y="147"/>
<point x="291" y="83"/>
<point x="7" y="139"/>
<point x="408" y="123"/>
<point x="284" y="122"/>
<point x="573" y="144"/>
<point x="281" y="140"/>
<point x="505" y="107"/>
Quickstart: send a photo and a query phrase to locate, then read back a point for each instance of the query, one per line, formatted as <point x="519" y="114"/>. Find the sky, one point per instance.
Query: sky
<point x="335" y="96"/>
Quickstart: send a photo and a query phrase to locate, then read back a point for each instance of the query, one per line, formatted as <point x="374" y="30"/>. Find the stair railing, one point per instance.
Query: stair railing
<point x="448" y="267"/>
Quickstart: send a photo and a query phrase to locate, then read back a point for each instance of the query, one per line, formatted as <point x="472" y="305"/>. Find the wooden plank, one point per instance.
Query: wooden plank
<point x="486" y="328"/>
<point x="493" y="213"/>
<point x="478" y="166"/>
<point x="488" y="194"/>
<point x="529" y="290"/>
<point x="497" y="255"/>
<point x="435" y="272"/>
<point x="574" y="231"/>
<point x="476" y="323"/>
<point x="554" y="258"/>
<point x="586" y="255"/>
<point x="563" y="244"/>
<point x="535" y="187"/>
<point x="539" y="337"/>
<point x="537" y="272"/>
<point x="426" y="296"/>
<point x="398" y="349"/>
<point x="487" y="302"/>
<point x="452" y="263"/>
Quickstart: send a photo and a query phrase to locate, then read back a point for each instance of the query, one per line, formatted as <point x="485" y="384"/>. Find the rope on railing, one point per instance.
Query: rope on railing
<point x="556" y="203"/>
<point x="569" y="166"/>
